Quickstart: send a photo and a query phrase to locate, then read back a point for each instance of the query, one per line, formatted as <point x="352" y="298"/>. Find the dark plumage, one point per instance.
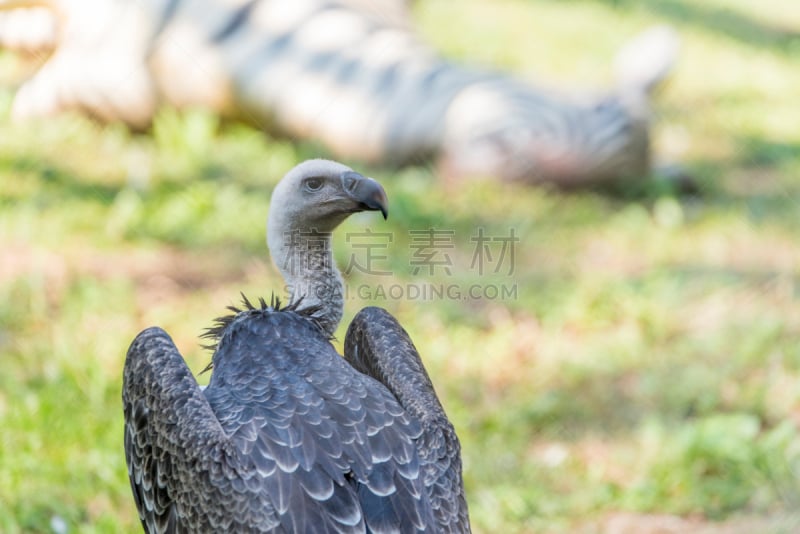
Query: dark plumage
<point x="378" y="346"/>
<point x="288" y="436"/>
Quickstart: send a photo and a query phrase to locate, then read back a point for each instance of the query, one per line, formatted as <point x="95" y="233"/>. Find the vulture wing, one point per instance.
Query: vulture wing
<point x="182" y="467"/>
<point x="378" y="346"/>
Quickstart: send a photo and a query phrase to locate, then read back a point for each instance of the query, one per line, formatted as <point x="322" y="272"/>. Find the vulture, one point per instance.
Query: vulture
<point x="288" y="436"/>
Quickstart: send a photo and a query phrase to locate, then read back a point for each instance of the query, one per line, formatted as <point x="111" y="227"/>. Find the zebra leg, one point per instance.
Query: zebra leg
<point x="99" y="86"/>
<point x="99" y="66"/>
<point x="30" y="30"/>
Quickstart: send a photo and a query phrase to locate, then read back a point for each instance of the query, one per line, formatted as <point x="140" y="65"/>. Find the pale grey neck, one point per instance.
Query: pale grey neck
<point x="305" y="260"/>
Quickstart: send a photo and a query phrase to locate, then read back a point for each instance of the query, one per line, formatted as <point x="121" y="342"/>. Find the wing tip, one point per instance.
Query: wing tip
<point x="372" y="314"/>
<point x="369" y="318"/>
<point x="147" y="337"/>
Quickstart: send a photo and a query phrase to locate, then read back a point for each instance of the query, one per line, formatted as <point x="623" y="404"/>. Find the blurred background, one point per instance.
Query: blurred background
<point x="634" y="367"/>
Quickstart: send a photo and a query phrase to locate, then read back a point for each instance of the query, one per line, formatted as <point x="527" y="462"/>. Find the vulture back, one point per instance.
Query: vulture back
<point x="302" y="442"/>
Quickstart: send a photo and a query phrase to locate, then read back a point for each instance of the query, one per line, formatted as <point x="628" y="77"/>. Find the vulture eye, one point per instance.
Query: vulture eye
<point x="313" y="184"/>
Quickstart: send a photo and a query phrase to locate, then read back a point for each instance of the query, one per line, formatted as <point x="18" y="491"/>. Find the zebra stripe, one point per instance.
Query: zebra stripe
<point x="350" y="73"/>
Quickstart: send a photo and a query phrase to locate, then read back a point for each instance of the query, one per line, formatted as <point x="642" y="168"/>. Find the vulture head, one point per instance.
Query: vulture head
<point x="307" y="205"/>
<point x="319" y="194"/>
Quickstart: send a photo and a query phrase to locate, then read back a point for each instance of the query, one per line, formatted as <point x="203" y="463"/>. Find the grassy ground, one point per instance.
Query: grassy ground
<point x="641" y="375"/>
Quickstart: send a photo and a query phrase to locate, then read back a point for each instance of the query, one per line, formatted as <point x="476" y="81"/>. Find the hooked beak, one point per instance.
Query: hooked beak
<point x="367" y="192"/>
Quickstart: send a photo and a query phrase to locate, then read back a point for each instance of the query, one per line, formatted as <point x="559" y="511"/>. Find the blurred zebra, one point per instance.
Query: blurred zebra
<point x="351" y="74"/>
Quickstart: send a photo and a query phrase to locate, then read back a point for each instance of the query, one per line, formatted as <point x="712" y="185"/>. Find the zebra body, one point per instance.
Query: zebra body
<point x="349" y="73"/>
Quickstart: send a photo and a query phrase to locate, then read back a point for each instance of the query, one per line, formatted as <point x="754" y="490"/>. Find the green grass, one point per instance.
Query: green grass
<point x="648" y="366"/>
